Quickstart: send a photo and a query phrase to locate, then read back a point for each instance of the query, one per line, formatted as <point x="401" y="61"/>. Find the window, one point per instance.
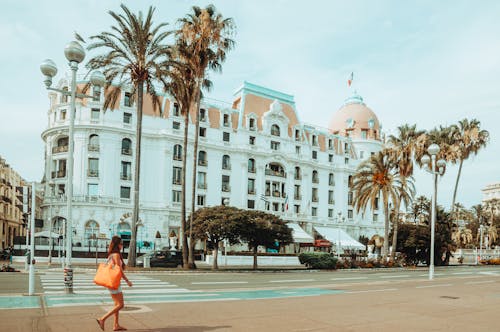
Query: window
<point x="331" y="180"/>
<point x="296" y="208"/>
<point x="375" y="217"/>
<point x="275" y="145"/>
<point x="330" y="213"/>
<point x="251" y="140"/>
<point x="177" y="175"/>
<point x="330" y="144"/>
<point x="177" y="152"/>
<point x="176" y="109"/>
<point x="226" y="162"/>
<point x="202" y="180"/>
<point x="251" y="165"/>
<point x="376" y="203"/>
<point x="297" y="135"/>
<point x="315" y="177"/>
<point x="225" y="183"/>
<point x="361" y="154"/>
<point x="297" y="175"/>
<point x="251" y="125"/>
<point x="96" y="92"/>
<point x="64" y="96"/>
<point x="314" y="194"/>
<point x="125" y="192"/>
<point x="330" y="197"/>
<point x="275" y="130"/>
<point x="276" y="206"/>
<point x="93" y="167"/>
<point x="297" y="149"/>
<point x="126" y="146"/>
<point x="346" y="161"/>
<point x="94" y="114"/>
<point x="225" y="136"/>
<point x="93" y="142"/>
<point x="203" y="132"/>
<point x="200" y="200"/>
<point x="250" y="204"/>
<point x="176" y="196"/>
<point x="315" y="155"/>
<point x="349" y="214"/>
<point x="127" y="118"/>
<point x="92" y="189"/>
<point x="126" y="170"/>
<point x="62" y="115"/>
<point x="296" y="192"/>
<point x="225" y="120"/>
<point x="315" y="140"/>
<point x="330" y="158"/>
<point x="314" y="211"/>
<point x="203" y="115"/>
<point x="202" y="158"/>
<point x="363" y="134"/>
<point x="349" y="198"/>
<point x="127" y="101"/>
<point x="251" y="186"/>
<point x="176" y="125"/>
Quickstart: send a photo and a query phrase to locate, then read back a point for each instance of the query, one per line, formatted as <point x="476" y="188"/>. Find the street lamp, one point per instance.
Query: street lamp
<point x="52" y="194"/>
<point x="435" y="168"/>
<point x="75" y="54"/>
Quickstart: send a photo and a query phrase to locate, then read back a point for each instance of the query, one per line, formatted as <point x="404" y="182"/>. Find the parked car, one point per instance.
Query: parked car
<point x="164" y="258"/>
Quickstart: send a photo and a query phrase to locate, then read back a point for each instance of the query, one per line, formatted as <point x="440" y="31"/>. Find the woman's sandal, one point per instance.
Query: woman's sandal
<point x="100" y="323"/>
<point x="119" y="328"/>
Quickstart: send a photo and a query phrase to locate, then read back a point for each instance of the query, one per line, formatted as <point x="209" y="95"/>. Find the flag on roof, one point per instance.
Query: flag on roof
<point x="351" y="78"/>
<point x="286" y="203"/>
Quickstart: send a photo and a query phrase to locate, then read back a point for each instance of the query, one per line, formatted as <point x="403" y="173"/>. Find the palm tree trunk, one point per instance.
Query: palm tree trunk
<point x="191" y="264"/>
<point x="456" y="187"/>
<point x="137" y="172"/>
<point x="386" y="230"/>
<point x="183" y="202"/>
<point x="395" y="227"/>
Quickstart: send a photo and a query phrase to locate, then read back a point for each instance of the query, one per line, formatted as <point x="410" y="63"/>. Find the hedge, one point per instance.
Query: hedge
<point x="318" y="260"/>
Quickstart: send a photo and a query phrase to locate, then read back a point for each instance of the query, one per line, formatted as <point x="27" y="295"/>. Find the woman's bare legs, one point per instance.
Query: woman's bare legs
<point x="118" y="299"/>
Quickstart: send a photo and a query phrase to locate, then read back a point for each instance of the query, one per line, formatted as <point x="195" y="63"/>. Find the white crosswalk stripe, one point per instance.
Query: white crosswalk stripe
<point x="53" y="284"/>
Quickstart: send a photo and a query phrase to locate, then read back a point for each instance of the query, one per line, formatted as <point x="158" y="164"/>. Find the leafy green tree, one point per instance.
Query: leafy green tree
<point x="215" y="224"/>
<point x="135" y="48"/>
<point x="263" y="229"/>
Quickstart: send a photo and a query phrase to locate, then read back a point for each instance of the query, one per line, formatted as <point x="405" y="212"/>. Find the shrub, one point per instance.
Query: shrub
<point x="318" y="260"/>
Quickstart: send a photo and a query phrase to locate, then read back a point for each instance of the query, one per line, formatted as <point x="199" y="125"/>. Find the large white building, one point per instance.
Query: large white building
<point x="254" y="153"/>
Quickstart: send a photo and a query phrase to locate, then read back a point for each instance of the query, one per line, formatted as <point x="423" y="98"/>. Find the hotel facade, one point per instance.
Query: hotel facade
<point x="254" y="153"/>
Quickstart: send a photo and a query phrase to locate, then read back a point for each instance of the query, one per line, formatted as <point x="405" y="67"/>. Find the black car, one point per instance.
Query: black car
<point x="170" y="258"/>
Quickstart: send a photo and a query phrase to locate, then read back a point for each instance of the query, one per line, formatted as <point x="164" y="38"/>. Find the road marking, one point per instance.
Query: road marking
<point x="479" y="282"/>
<point x="427" y="274"/>
<point x="349" y="278"/>
<point x="459" y="273"/>
<point x="218" y="282"/>
<point x="432" y="286"/>
<point x="396" y="276"/>
<point x="373" y="290"/>
<point x="490" y="273"/>
<point x="296" y="280"/>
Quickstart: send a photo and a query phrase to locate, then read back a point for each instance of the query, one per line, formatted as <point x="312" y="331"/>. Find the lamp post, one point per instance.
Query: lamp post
<point x="75" y="54"/>
<point x="435" y="168"/>
<point x="52" y="195"/>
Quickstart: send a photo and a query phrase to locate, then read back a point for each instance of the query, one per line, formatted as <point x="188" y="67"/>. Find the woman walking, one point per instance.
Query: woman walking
<point x="115" y="258"/>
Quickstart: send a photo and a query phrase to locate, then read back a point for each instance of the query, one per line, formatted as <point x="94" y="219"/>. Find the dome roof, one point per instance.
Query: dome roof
<point x="354" y="118"/>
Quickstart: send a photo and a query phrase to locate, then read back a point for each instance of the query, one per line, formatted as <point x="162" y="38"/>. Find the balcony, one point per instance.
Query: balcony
<point x="275" y="173"/>
<point x="251" y="170"/>
<point x="297" y="177"/>
<point x="226" y="167"/>
<point x="297" y="197"/>
<point x="331" y="183"/>
<point x="276" y="193"/>
<point x="59" y="174"/>
<point x="331" y="201"/>
<point x="93" y="147"/>
<point x="60" y="149"/>
<point x="202" y="186"/>
<point x="177" y="157"/>
<point x="93" y="173"/>
<point x="202" y="162"/>
<point x="315" y="199"/>
<point x="251" y="191"/>
<point x="315" y="180"/>
<point x="127" y="151"/>
<point x="177" y="181"/>
<point x="226" y="188"/>
<point x="125" y="176"/>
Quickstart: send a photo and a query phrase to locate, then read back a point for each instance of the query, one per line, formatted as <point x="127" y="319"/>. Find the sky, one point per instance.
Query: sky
<point x="428" y="63"/>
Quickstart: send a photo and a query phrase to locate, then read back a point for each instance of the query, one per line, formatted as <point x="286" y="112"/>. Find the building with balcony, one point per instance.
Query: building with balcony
<point x="254" y="153"/>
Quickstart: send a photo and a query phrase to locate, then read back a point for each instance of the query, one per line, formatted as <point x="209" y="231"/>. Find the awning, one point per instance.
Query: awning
<point x="299" y="235"/>
<point x="47" y="234"/>
<point x="339" y="238"/>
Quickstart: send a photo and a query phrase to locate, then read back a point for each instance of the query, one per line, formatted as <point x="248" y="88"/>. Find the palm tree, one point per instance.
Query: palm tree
<point x="374" y="177"/>
<point x="134" y="50"/>
<point x="469" y="139"/>
<point x="420" y="209"/>
<point x="205" y="35"/>
<point x="402" y="151"/>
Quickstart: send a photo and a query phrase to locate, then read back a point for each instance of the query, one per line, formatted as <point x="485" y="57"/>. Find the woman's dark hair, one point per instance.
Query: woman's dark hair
<point x="114" y="248"/>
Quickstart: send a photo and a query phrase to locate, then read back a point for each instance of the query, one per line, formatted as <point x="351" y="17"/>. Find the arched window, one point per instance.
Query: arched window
<point x="58" y="225"/>
<point x="226" y="162"/>
<point x="202" y="158"/>
<point x="297" y="176"/>
<point x="275" y="130"/>
<point x="91" y="233"/>
<point x="177" y="152"/>
<point x="61" y="145"/>
<point x="127" y="146"/>
<point x="315" y="178"/>
<point x="251" y="165"/>
<point x="64" y="97"/>
<point x="331" y="180"/>
<point x="94" y="142"/>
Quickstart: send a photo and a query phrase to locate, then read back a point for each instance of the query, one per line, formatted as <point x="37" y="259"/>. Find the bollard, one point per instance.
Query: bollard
<point x="68" y="280"/>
